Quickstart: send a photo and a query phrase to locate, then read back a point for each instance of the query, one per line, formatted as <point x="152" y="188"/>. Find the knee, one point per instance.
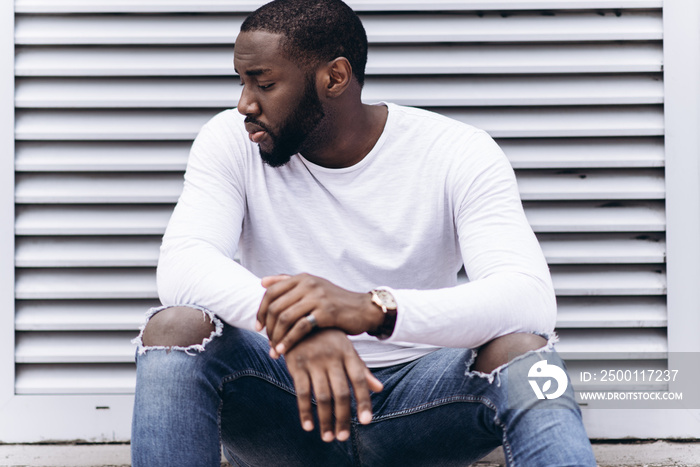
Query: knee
<point x="177" y="327"/>
<point x="504" y="349"/>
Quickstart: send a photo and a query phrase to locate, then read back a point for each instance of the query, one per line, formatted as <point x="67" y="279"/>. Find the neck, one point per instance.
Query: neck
<point x="347" y="134"/>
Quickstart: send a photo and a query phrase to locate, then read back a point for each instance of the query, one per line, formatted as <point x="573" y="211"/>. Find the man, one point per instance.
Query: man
<point x="351" y="222"/>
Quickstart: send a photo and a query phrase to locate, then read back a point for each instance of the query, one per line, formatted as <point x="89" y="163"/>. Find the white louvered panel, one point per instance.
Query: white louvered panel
<point x="47" y="284"/>
<point x="70" y="156"/>
<point x="81" y="315"/>
<point x="612" y="312"/>
<point x="178" y="124"/>
<point x="575" y="95"/>
<point x="584" y="152"/>
<point x="609" y="216"/>
<point x="37" y="252"/>
<point x="88" y="378"/>
<point x="407" y="59"/>
<point x="381" y="28"/>
<point x="432" y="91"/>
<point x="608" y="344"/>
<point x="591" y="184"/>
<point x="97" y="188"/>
<point x="88" y="220"/>
<point x="74" y="347"/>
<point x="185" y="6"/>
<point x="609" y="280"/>
<point x="606" y="249"/>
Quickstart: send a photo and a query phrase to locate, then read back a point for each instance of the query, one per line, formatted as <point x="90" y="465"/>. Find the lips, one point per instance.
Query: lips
<point x="256" y="132"/>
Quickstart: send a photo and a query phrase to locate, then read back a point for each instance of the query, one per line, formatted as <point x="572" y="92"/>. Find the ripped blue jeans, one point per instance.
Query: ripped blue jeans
<point x="433" y="411"/>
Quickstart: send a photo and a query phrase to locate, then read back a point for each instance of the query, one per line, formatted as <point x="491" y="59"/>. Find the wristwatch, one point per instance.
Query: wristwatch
<point x="384" y="300"/>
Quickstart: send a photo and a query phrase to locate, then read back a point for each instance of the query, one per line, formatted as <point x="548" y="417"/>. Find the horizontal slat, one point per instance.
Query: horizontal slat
<point x="609" y="280"/>
<point x="603" y="248"/>
<point x="110" y="125"/>
<point x="151" y="220"/>
<point x="85" y="283"/>
<point x="612" y="344"/>
<point x="433" y="91"/>
<point x="98" y="188"/>
<point x="611" y="312"/>
<point x="74" y="347"/>
<point x="76" y="156"/>
<point x="585" y="184"/>
<point x="140" y="283"/>
<point x="166" y="188"/>
<point x="583" y="153"/>
<point x="87" y="220"/>
<point x="183" y="125"/>
<point x="383" y="59"/>
<point x="596" y="217"/>
<point x="381" y="28"/>
<point x="213" y="6"/>
<point x="68" y="156"/>
<point x="81" y="315"/>
<point x="36" y="252"/>
<point x="119" y="378"/>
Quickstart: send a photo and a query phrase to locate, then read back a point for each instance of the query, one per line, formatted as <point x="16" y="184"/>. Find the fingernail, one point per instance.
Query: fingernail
<point x="328" y="436"/>
<point x="280" y="349"/>
<point x="308" y="425"/>
<point x="258" y="326"/>
<point x="273" y="354"/>
<point x="343" y="435"/>
<point x="365" y="417"/>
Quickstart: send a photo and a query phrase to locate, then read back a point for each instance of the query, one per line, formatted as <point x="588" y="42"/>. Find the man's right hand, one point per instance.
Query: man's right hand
<point x="323" y="362"/>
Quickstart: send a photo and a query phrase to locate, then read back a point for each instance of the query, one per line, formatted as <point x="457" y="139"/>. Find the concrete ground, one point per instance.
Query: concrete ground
<point x="643" y="453"/>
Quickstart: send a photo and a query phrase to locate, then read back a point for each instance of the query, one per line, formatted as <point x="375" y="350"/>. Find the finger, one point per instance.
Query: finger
<point x="301" y="328"/>
<point x="324" y="402"/>
<point x="279" y="309"/>
<point x="267" y="281"/>
<point x="273" y="292"/>
<point x="374" y="384"/>
<point x="303" y="389"/>
<point x="341" y="403"/>
<point x="292" y="316"/>
<point x="358" y="375"/>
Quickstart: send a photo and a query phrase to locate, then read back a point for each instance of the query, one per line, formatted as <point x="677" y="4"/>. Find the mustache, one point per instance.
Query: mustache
<point x="257" y="123"/>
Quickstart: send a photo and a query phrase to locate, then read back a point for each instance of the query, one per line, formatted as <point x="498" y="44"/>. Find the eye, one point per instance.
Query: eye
<point x="265" y="87"/>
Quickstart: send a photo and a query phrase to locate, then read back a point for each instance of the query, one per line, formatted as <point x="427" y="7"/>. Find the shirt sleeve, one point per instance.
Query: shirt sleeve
<point x="196" y="264"/>
<point x="509" y="289"/>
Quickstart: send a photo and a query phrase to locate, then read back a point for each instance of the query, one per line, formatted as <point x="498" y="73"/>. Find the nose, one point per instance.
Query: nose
<point x="247" y="104"/>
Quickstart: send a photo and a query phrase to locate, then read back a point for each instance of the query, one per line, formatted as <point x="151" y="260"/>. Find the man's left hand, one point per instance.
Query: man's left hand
<point x="289" y="300"/>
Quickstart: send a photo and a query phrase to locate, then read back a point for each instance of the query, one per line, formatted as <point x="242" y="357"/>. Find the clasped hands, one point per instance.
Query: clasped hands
<point x="322" y="361"/>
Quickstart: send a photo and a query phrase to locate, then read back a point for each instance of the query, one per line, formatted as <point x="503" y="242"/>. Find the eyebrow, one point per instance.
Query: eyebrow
<point x="256" y="71"/>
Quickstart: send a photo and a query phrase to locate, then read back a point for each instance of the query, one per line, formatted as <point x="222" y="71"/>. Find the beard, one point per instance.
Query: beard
<point x="294" y="131"/>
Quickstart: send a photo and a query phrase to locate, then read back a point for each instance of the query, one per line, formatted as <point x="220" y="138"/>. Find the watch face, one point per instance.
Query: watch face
<point x="386" y="298"/>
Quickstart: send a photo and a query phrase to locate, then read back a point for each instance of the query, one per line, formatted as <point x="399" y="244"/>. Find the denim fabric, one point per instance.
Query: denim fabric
<point x="432" y="411"/>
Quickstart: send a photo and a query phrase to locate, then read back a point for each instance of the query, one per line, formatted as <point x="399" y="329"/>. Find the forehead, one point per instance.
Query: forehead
<point x="260" y="52"/>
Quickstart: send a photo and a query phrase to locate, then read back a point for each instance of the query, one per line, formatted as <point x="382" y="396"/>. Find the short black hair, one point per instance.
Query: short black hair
<point x="315" y="31"/>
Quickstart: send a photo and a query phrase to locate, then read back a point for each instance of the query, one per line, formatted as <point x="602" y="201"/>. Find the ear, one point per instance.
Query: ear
<point x="337" y="75"/>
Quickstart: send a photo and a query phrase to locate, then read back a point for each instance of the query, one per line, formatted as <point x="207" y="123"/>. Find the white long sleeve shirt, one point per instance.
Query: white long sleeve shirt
<point x="431" y="195"/>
